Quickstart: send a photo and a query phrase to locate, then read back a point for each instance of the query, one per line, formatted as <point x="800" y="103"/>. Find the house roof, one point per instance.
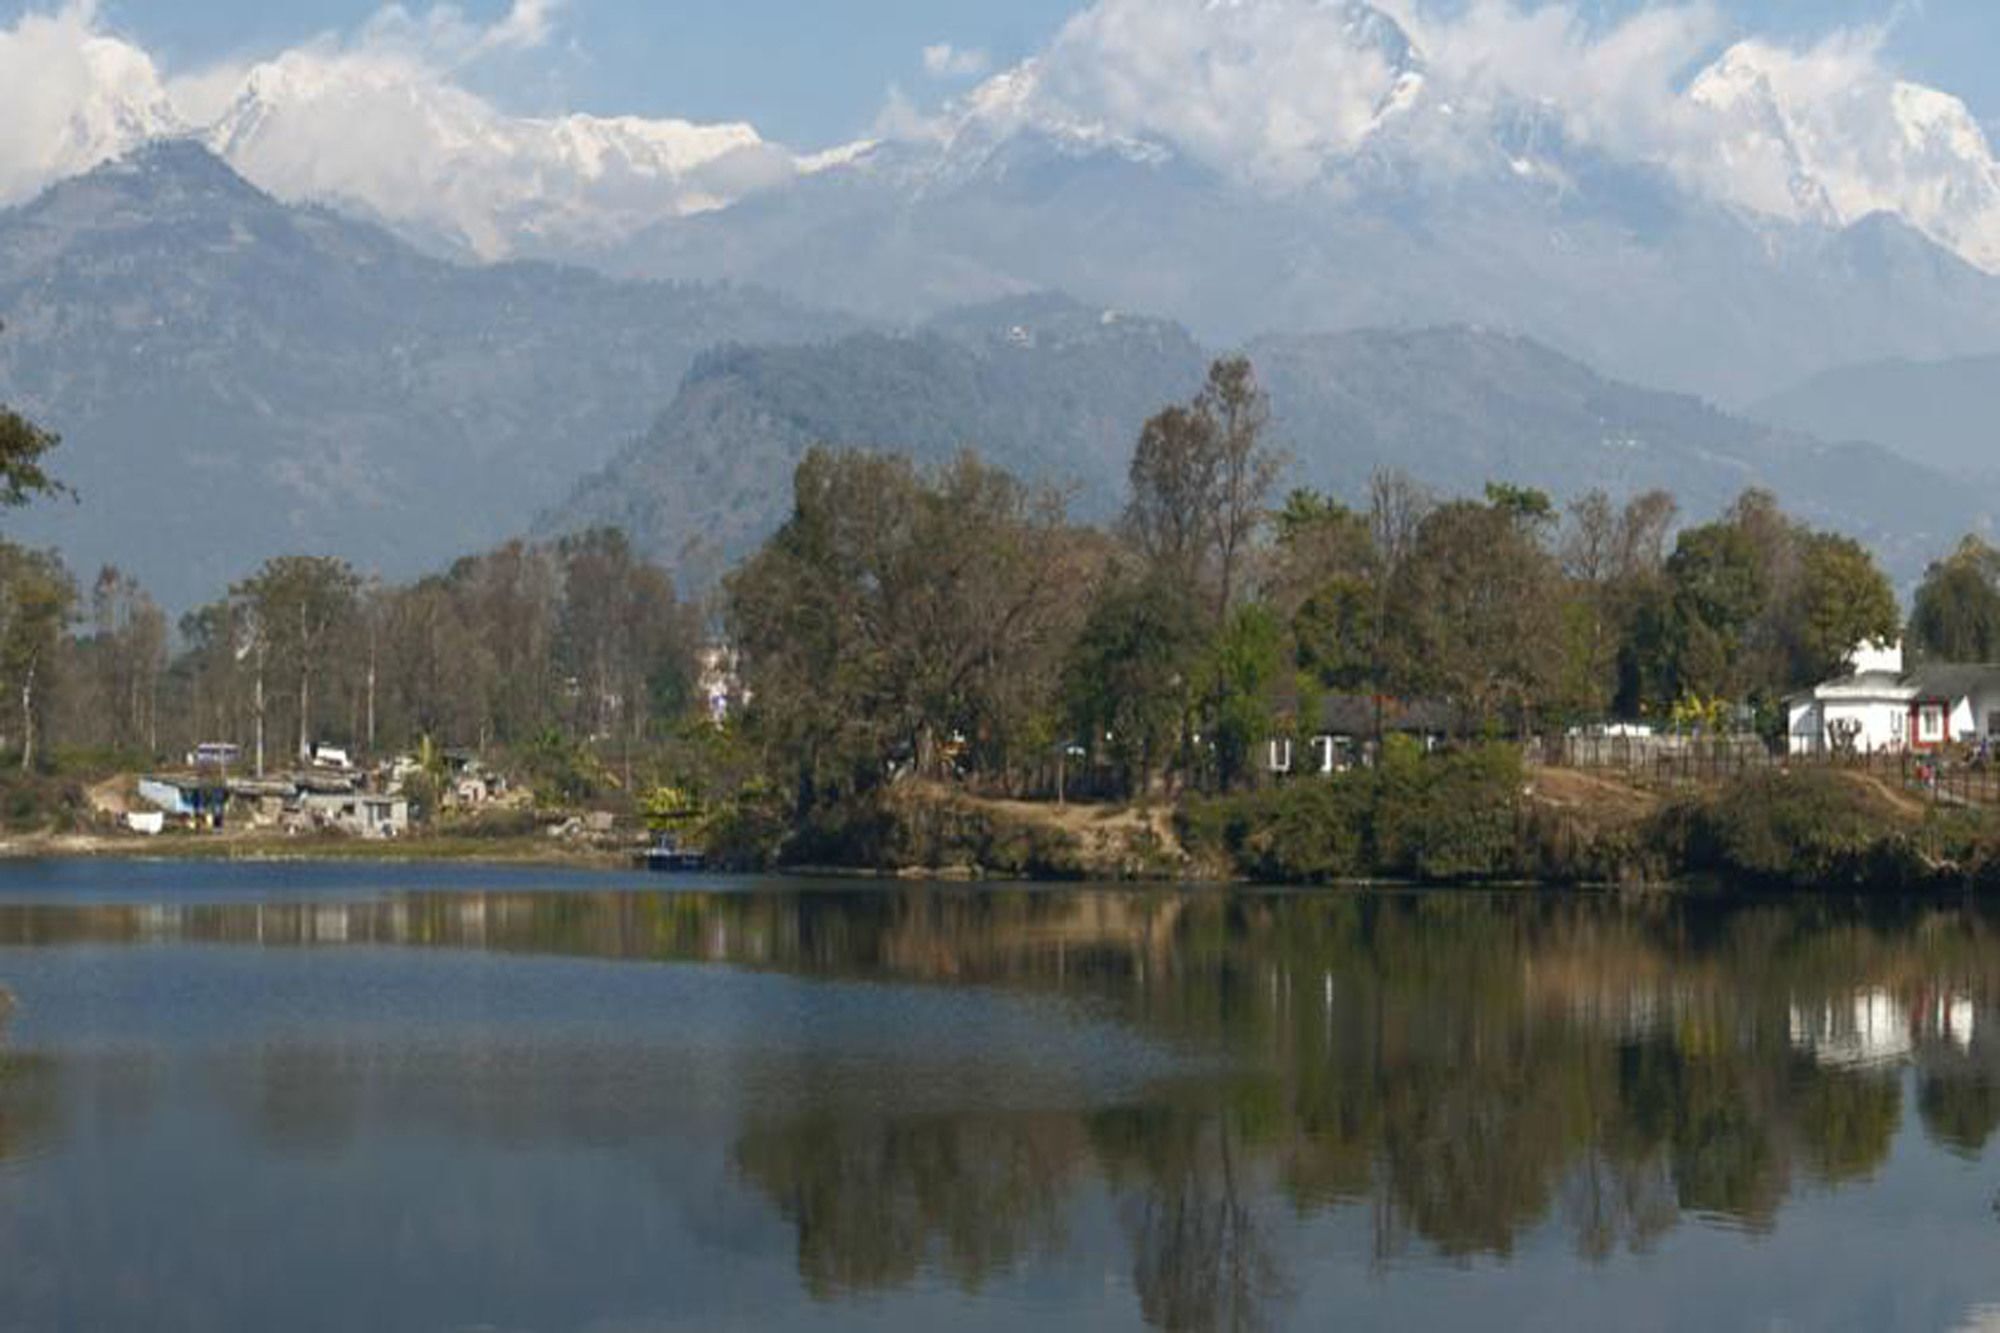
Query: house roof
<point x="1948" y="680"/>
<point x="1355" y="715"/>
<point x="1935" y="680"/>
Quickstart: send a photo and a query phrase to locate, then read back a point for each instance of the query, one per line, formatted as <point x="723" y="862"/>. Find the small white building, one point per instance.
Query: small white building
<point x="359" y="814"/>
<point x="1883" y="707"/>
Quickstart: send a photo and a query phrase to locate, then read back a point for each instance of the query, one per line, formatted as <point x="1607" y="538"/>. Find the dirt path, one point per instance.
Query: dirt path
<point x="1593" y="795"/>
<point x="1898" y="800"/>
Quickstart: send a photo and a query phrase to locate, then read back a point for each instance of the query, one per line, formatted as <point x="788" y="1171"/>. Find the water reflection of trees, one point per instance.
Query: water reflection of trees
<point x="1464" y="1069"/>
<point x="29" y="1114"/>
<point x="875" y="1200"/>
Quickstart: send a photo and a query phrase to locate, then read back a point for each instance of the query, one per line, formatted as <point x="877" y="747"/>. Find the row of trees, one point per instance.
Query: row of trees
<point x="954" y="620"/>
<point x="578" y="641"/>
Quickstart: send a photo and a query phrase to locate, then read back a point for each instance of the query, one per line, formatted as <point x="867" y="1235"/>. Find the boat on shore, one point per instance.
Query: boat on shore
<point x="667" y="856"/>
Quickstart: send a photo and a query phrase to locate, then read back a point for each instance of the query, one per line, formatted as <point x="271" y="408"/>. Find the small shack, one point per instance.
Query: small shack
<point x="189" y="802"/>
<point x="360" y="814"/>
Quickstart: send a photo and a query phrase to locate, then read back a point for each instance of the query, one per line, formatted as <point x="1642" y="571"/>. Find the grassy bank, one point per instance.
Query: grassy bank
<point x="522" y="850"/>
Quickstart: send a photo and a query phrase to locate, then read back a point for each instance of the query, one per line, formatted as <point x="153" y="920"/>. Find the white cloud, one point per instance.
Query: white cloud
<point x="527" y="26"/>
<point x="70" y="96"/>
<point x="945" y="61"/>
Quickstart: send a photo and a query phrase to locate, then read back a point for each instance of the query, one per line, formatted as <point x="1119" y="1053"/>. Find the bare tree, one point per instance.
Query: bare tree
<point x="1201" y="481"/>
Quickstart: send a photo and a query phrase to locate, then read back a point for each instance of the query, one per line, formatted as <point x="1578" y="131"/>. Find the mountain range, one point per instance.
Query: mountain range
<point x="236" y="378"/>
<point x="1672" y="207"/>
<point x="1942" y="413"/>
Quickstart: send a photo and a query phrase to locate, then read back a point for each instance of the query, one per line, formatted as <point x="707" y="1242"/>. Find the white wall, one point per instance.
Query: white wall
<point x="1882" y="725"/>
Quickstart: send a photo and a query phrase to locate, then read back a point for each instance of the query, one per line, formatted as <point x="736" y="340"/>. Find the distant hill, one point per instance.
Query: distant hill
<point x="235" y="378"/>
<point x="1050" y="388"/>
<point x="1945" y="413"/>
<point x="1045" y="386"/>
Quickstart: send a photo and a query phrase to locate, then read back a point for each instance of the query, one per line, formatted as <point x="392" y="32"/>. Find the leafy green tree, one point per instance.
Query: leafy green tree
<point x="1130" y="678"/>
<point x="1246" y="665"/>
<point x="1956" y="617"/>
<point x="898" y="610"/>
<point x="1476" y="613"/>
<point x="1525" y="505"/>
<point x="24" y="449"/>
<point x="1323" y="580"/>
<point x="1846" y="601"/>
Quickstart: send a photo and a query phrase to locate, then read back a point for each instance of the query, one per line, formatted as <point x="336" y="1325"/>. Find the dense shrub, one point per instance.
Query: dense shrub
<point x="35" y="803"/>
<point x="1444" y="818"/>
<point x="1808" y="829"/>
<point x="493" y="824"/>
<point x="1467" y="821"/>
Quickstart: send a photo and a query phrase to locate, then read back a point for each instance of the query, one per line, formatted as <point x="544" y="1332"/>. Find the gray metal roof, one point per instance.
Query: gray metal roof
<point x="1952" y="680"/>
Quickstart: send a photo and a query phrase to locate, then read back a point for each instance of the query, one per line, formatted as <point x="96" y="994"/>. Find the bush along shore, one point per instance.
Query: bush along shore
<point x="1481" y="816"/>
<point x="1477" y="816"/>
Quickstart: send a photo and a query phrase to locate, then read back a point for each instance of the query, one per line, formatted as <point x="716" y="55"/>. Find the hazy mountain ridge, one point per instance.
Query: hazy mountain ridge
<point x="1614" y="265"/>
<point x="1944" y="413"/>
<point x="1454" y="407"/>
<point x="234" y="377"/>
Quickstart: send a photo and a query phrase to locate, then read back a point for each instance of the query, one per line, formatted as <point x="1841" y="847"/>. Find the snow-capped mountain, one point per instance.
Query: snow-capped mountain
<point x="432" y="159"/>
<point x="1293" y="102"/>
<point x="1657" y="196"/>
<point x="1784" y="146"/>
<point x="1290" y="96"/>
<point x="377" y="126"/>
<point x="1705" y="216"/>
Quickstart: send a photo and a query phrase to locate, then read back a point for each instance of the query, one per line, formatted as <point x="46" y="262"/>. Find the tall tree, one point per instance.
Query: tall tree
<point x="1613" y="558"/>
<point x="1845" y="600"/>
<point x="129" y="648"/>
<point x="297" y="602"/>
<point x="1129" y="678"/>
<point x="1476" y="611"/>
<point x="1201" y="480"/>
<point x="893" y="611"/>
<point x="36" y="597"/>
<point x="1323" y="578"/>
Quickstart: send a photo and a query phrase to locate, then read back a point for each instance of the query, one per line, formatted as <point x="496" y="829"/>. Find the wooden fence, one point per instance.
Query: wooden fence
<point x="1951" y="779"/>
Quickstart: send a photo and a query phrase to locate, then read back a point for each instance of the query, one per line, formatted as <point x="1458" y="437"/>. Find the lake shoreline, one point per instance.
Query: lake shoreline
<point x="519" y="851"/>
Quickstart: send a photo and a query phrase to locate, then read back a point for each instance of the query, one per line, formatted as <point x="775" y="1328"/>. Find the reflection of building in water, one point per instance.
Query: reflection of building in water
<point x="1873" y="1027"/>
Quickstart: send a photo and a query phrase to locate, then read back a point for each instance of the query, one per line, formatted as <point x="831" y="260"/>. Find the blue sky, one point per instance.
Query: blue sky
<point x="816" y="72"/>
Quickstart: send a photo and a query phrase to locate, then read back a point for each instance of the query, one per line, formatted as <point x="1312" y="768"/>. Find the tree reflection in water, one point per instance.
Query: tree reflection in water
<point x="29" y="1114"/>
<point x="1462" y="1071"/>
<point x="876" y="1200"/>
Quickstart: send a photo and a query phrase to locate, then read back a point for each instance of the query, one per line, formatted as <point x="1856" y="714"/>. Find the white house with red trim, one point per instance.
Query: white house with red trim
<point x="1882" y="706"/>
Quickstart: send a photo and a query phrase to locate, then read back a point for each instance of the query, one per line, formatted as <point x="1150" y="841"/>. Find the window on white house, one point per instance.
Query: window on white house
<point x="1930" y="723"/>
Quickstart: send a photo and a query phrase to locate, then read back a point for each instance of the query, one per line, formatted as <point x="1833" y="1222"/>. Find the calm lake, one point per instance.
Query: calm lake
<point x="238" y="1097"/>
